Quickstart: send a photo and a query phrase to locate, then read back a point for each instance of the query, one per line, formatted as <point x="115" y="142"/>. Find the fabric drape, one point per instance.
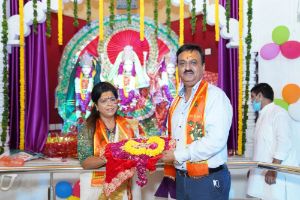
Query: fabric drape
<point x="37" y="98"/>
<point x="228" y="78"/>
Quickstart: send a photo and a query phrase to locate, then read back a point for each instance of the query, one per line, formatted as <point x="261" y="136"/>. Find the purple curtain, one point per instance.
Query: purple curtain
<point x="228" y="78"/>
<point x="37" y="98"/>
<point x="14" y="64"/>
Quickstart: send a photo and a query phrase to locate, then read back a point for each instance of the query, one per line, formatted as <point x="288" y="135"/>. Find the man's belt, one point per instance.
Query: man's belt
<point x="210" y="170"/>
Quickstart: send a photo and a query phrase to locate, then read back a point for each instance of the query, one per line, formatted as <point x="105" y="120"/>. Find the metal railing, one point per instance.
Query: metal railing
<point x="51" y="169"/>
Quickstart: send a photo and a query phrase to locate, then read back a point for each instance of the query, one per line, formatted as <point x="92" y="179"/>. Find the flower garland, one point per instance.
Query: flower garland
<point x="142" y="23"/>
<point x="144" y="152"/>
<point x="168" y="19"/>
<point x="193" y="18"/>
<point x="204" y="21"/>
<point x="48" y="21"/>
<point x="217" y="24"/>
<point x="240" y="77"/>
<point x="60" y="22"/>
<point x="248" y="41"/>
<point x="153" y="147"/>
<point x="35" y="22"/>
<point x="181" y="23"/>
<point x="156" y="17"/>
<point x="112" y="14"/>
<point x="128" y="9"/>
<point x="227" y="13"/>
<point x="5" y="113"/>
<point x="126" y="100"/>
<point x="75" y="13"/>
<point x="101" y="19"/>
<point x="88" y="11"/>
<point x="83" y="99"/>
<point x="22" y="77"/>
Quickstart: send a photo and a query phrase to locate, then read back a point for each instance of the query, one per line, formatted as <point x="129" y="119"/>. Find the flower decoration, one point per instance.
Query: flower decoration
<point x="196" y="131"/>
<point x="5" y="113"/>
<point x="123" y="157"/>
<point x="204" y="21"/>
<point x="152" y="147"/>
<point x="48" y="20"/>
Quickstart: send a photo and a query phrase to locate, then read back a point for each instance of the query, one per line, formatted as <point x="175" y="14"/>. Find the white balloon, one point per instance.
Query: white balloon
<point x="294" y="111"/>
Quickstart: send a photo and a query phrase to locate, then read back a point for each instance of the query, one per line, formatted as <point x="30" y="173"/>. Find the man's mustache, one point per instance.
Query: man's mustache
<point x="188" y="71"/>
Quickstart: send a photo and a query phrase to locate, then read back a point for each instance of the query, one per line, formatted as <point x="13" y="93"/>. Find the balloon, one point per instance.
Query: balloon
<point x="294" y="111"/>
<point x="63" y="189"/>
<point x="290" y="49"/>
<point x="280" y="34"/>
<point x="73" y="198"/>
<point x="281" y="103"/>
<point x="291" y="93"/>
<point x="269" y="51"/>
<point x="76" y="189"/>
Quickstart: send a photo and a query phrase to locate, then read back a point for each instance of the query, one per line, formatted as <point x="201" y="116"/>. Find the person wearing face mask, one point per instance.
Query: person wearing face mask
<point x="272" y="144"/>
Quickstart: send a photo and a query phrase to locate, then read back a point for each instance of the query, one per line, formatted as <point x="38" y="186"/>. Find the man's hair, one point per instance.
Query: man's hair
<point x="265" y="89"/>
<point x="191" y="47"/>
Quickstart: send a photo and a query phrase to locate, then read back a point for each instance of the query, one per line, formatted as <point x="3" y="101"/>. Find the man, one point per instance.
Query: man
<point x="199" y="121"/>
<point x="272" y="144"/>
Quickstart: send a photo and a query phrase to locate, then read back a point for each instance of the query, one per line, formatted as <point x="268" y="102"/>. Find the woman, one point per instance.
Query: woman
<point x="102" y="127"/>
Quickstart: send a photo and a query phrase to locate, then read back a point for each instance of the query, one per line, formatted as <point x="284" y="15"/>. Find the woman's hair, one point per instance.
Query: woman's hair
<point x="97" y="91"/>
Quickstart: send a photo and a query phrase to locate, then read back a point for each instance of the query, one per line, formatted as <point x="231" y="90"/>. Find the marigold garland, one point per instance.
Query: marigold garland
<point x="227" y="13"/>
<point x="5" y="113"/>
<point x="142" y="23"/>
<point x="204" y="22"/>
<point x="101" y="24"/>
<point x="60" y="22"/>
<point x="156" y="16"/>
<point x="240" y="78"/>
<point x="111" y="14"/>
<point x="128" y="9"/>
<point x="248" y="41"/>
<point x="181" y="23"/>
<point x="35" y="22"/>
<point x="88" y="11"/>
<point x="193" y="18"/>
<point x="22" y="77"/>
<point x="75" y="13"/>
<point x="177" y="80"/>
<point x="217" y="23"/>
<point x="153" y="147"/>
<point x="48" y="21"/>
<point x="168" y="19"/>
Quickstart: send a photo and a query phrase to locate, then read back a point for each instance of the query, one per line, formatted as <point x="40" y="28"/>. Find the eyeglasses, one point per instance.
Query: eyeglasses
<point x="193" y="63"/>
<point x="108" y="100"/>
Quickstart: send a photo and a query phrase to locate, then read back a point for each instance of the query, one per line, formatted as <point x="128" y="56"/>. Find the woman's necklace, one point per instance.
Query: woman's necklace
<point x="111" y="134"/>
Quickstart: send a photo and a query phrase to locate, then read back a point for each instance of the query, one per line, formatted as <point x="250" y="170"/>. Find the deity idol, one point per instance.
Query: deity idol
<point x="84" y="83"/>
<point x="131" y="79"/>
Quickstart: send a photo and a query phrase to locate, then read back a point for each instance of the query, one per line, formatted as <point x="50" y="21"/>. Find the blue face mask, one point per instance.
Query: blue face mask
<point x="256" y="105"/>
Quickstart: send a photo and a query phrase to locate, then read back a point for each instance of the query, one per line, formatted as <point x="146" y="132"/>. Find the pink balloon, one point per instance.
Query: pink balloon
<point x="290" y="49"/>
<point x="269" y="51"/>
<point x="76" y="189"/>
